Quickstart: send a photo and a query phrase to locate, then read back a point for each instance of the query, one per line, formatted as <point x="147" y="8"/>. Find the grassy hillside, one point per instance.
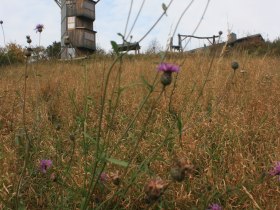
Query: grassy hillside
<point x="110" y="128"/>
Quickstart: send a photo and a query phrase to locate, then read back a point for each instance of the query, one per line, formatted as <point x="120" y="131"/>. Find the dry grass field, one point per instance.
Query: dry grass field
<point x="119" y="148"/>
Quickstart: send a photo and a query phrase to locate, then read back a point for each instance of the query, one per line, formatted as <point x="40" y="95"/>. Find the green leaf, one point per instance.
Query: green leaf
<point x="180" y="127"/>
<point x="115" y="47"/>
<point x="119" y="34"/>
<point x="87" y="136"/>
<point x="83" y="203"/>
<point x="117" y="162"/>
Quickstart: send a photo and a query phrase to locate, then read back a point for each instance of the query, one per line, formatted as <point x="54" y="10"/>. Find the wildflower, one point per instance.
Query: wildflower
<point x="104" y="177"/>
<point x="45" y="165"/>
<point x="215" y="206"/>
<point x="234" y="65"/>
<point x="1" y="22"/>
<point x="276" y="170"/>
<point x="154" y="189"/>
<point x="167" y="69"/>
<point x="39" y="28"/>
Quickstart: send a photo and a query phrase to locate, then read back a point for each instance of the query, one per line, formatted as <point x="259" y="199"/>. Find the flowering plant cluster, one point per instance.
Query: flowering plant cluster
<point x="45" y="165"/>
<point x="276" y="170"/>
<point x="168" y="67"/>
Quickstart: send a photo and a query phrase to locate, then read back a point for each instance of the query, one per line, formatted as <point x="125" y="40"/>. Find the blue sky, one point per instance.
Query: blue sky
<point x="241" y="16"/>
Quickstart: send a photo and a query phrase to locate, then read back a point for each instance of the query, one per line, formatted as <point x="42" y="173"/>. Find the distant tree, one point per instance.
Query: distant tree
<point x="275" y="46"/>
<point x="53" y="50"/>
<point x="100" y="50"/>
<point x="12" y="51"/>
<point x="154" y="47"/>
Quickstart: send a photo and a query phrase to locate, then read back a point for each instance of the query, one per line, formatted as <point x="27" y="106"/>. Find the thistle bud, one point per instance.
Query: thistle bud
<point x="234" y="65"/>
<point x="167" y="69"/>
<point x="166" y="78"/>
<point x="28" y="40"/>
<point x="72" y="136"/>
<point x="1" y="22"/>
<point x="28" y="52"/>
<point x="220" y="33"/>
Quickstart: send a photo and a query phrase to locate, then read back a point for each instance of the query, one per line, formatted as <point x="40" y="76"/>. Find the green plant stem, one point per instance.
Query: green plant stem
<point x="85" y="114"/>
<point x="154" y="25"/>
<point x="27" y="145"/>
<point x="136" y="173"/>
<point x="128" y="18"/>
<point x="103" y="99"/>
<point x="143" y="130"/>
<point x="203" y="85"/>
<point x="136" y="18"/>
<point x="196" y="28"/>
<point x="113" y="113"/>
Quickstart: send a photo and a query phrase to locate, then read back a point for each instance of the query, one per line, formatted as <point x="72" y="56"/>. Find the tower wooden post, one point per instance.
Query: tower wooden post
<point x="77" y="18"/>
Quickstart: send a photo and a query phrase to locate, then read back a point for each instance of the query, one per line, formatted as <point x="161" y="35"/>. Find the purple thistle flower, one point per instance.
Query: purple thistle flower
<point x="215" y="206"/>
<point x="168" y="67"/>
<point x="45" y="165"/>
<point x="276" y="169"/>
<point x="104" y="177"/>
<point x="39" y="28"/>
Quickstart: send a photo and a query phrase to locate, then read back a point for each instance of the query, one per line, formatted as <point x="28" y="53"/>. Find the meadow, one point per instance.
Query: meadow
<point x="104" y="133"/>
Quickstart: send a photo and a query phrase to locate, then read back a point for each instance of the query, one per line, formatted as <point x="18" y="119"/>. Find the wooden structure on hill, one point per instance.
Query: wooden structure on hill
<point x="181" y="38"/>
<point x="233" y="42"/>
<point x="128" y="46"/>
<point x="248" y="40"/>
<point x="77" y="32"/>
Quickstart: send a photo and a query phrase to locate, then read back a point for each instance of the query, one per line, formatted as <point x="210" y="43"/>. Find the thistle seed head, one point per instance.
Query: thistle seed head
<point x="177" y="174"/>
<point x="154" y="189"/>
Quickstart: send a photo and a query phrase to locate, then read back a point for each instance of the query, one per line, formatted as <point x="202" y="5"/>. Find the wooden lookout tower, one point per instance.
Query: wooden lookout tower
<point x="77" y="32"/>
